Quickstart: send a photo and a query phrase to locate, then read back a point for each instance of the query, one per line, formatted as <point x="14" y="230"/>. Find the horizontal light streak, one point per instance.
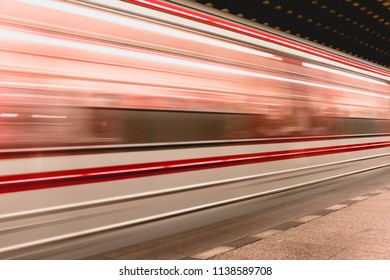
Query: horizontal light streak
<point x="23" y="182"/>
<point x="8" y="115"/>
<point x="14" y="115"/>
<point x="48" y="116"/>
<point x="346" y="74"/>
<point x="129" y="22"/>
<point x="167" y="7"/>
<point x="188" y="14"/>
<point x="21" y="36"/>
<point x="48" y="86"/>
<point x="256" y="33"/>
<point x="40" y="179"/>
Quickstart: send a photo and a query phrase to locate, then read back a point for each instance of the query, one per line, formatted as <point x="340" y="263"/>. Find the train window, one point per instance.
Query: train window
<point x="48" y="127"/>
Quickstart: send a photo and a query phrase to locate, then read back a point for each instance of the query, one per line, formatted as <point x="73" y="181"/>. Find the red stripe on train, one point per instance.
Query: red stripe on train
<point x="211" y="20"/>
<point x="44" y="180"/>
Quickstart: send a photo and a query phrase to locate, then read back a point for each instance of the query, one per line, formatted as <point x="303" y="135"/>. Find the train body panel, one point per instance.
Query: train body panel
<point x="117" y="119"/>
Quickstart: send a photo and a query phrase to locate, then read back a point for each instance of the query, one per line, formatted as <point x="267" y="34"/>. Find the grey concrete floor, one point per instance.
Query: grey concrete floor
<point x="355" y="232"/>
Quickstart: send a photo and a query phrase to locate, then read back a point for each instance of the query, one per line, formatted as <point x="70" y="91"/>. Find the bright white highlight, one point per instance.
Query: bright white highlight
<point x="90" y="47"/>
<point x="48" y="116"/>
<point x="8" y="115"/>
<point x="326" y="69"/>
<point x="114" y="18"/>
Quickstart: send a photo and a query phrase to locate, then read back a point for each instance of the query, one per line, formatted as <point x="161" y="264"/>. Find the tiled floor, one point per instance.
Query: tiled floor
<point x="356" y="229"/>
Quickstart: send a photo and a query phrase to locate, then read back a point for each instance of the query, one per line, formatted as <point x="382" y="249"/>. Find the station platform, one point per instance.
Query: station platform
<point x="355" y="229"/>
<point x="348" y="221"/>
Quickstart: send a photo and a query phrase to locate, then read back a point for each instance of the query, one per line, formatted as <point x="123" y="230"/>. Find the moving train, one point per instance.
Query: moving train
<point x="123" y="121"/>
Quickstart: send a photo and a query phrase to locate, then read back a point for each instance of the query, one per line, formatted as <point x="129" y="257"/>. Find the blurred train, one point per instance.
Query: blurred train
<point x="122" y="121"/>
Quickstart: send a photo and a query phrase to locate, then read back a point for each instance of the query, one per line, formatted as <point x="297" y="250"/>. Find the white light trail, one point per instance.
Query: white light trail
<point x="134" y="23"/>
<point x="8" y="115"/>
<point x="334" y="71"/>
<point x="48" y="116"/>
<point x="24" y="37"/>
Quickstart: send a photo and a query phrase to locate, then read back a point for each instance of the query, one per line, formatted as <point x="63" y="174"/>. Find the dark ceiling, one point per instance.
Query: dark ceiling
<point x="356" y="27"/>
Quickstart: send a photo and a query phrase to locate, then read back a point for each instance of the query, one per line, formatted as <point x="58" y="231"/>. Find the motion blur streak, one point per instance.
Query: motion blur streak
<point x="36" y="181"/>
<point x="120" y="123"/>
<point x="342" y="73"/>
<point x="168" y="7"/>
<point x="25" y="37"/>
<point x="144" y="25"/>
